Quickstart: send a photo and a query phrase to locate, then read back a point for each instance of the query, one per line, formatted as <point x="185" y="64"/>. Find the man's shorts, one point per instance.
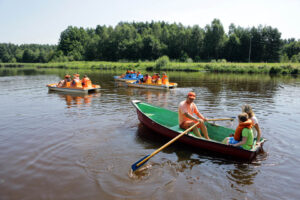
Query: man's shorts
<point x="188" y="124"/>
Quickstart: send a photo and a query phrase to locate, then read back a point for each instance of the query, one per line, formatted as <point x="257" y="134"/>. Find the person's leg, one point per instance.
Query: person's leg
<point x="196" y="131"/>
<point x="204" y="130"/>
<point x="188" y="124"/>
<point x="226" y="140"/>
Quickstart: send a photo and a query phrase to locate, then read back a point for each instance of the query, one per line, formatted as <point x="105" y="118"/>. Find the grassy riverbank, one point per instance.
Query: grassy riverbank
<point x="255" y="68"/>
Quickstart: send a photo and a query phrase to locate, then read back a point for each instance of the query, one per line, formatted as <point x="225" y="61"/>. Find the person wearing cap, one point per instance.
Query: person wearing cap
<point x="186" y="118"/>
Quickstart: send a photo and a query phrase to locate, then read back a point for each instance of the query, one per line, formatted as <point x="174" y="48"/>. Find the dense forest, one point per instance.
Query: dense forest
<point x="149" y="41"/>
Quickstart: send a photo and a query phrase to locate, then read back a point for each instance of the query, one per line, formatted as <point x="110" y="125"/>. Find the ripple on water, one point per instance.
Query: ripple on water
<point x="56" y="146"/>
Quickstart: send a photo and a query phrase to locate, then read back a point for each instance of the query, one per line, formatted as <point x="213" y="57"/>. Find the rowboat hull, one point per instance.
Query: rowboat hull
<point x="53" y="87"/>
<point x="151" y="86"/>
<point x="199" y="143"/>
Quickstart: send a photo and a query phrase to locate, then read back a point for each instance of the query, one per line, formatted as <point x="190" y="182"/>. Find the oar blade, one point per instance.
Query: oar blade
<point x="135" y="165"/>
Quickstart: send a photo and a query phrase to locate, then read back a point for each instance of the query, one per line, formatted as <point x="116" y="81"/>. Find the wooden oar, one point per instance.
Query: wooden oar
<point x="142" y="161"/>
<point x="221" y="119"/>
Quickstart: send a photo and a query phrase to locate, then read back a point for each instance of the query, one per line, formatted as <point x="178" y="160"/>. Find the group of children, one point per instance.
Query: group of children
<point x="245" y="132"/>
<point x="76" y="82"/>
<point x="155" y="79"/>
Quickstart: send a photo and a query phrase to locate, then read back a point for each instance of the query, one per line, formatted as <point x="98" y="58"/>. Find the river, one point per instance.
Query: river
<point x="62" y="146"/>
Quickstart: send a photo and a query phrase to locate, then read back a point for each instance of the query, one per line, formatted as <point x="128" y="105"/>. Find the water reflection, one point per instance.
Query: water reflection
<point x="242" y="174"/>
<point x="150" y="95"/>
<point x="76" y="99"/>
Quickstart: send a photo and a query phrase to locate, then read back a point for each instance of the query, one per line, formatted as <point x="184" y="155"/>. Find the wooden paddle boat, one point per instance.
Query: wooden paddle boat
<point x="165" y="123"/>
<point x="78" y="88"/>
<point x="159" y="86"/>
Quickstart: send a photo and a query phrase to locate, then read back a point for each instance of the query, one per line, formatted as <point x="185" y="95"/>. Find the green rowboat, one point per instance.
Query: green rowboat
<point x="165" y="123"/>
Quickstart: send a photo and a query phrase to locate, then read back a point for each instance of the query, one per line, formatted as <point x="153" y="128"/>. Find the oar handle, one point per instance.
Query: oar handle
<point x="167" y="144"/>
<point x="221" y="119"/>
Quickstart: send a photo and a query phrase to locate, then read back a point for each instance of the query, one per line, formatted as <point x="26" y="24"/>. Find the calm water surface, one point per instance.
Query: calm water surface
<point x="61" y="146"/>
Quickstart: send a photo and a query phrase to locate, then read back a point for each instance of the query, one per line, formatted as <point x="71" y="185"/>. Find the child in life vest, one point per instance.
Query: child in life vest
<point x="243" y="136"/>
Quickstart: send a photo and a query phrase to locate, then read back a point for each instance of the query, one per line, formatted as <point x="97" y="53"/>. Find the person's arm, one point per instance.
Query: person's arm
<point x="256" y="126"/>
<point x="192" y="117"/>
<point x="244" y="140"/>
<point x="199" y="114"/>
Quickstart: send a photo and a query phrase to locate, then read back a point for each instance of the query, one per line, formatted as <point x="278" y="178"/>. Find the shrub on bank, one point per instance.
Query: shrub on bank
<point x="165" y="65"/>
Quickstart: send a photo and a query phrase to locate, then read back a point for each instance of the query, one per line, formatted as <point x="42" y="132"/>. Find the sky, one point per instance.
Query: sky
<point x="42" y="21"/>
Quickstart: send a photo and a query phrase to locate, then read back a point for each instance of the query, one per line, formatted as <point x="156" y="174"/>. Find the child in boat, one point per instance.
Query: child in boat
<point x="164" y="79"/>
<point x="85" y="80"/>
<point x="158" y="80"/>
<point x="154" y="77"/>
<point x="243" y="136"/>
<point x="256" y="130"/>
<point x="63" y="83"/>
<point x="146" y="79"/>
<point x="76" y="79"/>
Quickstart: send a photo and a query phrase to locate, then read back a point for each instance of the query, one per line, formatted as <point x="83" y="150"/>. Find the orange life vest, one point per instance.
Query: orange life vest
<point x="149" y="80"/>
<point x="239" y="129"/>
<point x="158" y="81"/>
<point x="86" y="82"/>
<point x="68" y="84"/>
<point x="165" y="80"/>
<point x="154" y="77"/>
<point x="77" y="83"/>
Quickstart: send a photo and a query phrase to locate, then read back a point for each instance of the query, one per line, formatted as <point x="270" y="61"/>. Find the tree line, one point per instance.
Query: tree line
<point x="149" y="41"/>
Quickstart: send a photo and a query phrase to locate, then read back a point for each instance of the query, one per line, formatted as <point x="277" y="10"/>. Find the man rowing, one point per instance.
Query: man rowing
<point x="186" y="118"/>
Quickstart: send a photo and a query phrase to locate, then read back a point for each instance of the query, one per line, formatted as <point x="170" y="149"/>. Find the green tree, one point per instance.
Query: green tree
<point x="28" y="56"/>
<point x="72" y="42"/>
<point x="214" y="39"/>
<point x="161" y="62"/>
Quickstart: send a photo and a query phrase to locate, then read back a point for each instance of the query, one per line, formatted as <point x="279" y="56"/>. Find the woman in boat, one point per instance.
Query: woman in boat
<point x="256" y="130"/>
<point x="243" y="136"/>
<point x="186" y="110"/>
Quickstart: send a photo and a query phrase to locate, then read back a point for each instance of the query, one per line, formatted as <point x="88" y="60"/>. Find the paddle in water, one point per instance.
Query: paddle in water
<point x="142" y="161"/>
